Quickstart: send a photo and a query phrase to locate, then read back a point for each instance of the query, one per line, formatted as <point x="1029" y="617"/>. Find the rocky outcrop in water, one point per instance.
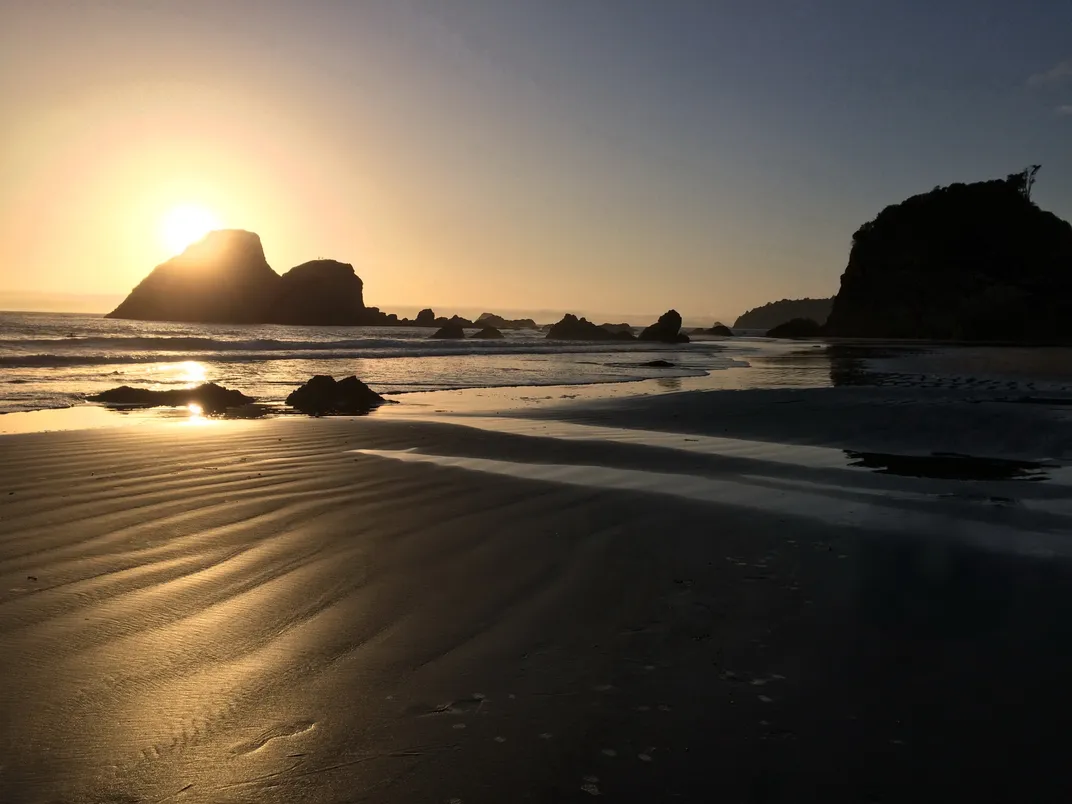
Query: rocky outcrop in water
<point x="497" y="321"/>
<point x="797" y="328"/>
<point x="449" y="332"/>
<point x="488" y="333"/>
<point x="719" y="329"/>
<point x="618" y="328"/>
<point x="223" y="278"/>
<point x="572" y="328"/>
<point x="322" y="395"/>
<point x="666" y="330"/>
<point x="969" y="261"/>
<point x="771" y="315"/>
<point x="425" y="318"/>
<point x="321" y="293"/>
<point x="211" y="398"/>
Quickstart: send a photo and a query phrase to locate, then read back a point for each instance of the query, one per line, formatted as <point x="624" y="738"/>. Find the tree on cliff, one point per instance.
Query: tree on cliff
<point x="1023" y="181"/>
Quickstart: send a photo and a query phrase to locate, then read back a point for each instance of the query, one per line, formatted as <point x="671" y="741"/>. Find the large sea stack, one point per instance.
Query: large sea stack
<point x="223" y="278"/>
<point x="969" y="261"/>
<point x="321" y="292"/>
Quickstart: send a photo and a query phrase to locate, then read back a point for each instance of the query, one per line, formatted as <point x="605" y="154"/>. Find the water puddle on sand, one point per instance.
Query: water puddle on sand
<point x="950" y="466"/>
<point x="947" y="466"/>
<point x="891" y="511"/>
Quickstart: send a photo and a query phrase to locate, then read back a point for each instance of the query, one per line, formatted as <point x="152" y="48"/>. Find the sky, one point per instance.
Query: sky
<point x="619" y="156"/>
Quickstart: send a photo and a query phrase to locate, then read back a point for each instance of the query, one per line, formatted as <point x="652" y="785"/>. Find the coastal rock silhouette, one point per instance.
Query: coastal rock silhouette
<point x="796" y="328"/>
<point x="497" y="321"/>
<point x="666" y="330"/>
<point x="488" y="333"/>
<point x="222" y="278"/>
<point x="210" y="397"/>
<point x="572" y="328"/>
<point x="449" y="331"/>
<point x="225" y="279"/>
<point x="968" y="261"/>
<point x="323" y="395"/>
<point x="320" y="293"/>
<point x="719" y="329"/>
<point x="774" y="313"/>
<point x="425" y="318"/>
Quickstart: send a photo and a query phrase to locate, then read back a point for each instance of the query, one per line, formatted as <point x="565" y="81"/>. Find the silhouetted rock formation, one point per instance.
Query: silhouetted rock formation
<point x="968" y="261"/>
<point x="771" y="315"/>
<point x="796" y="328"/>
<point x="449" y="331"/>
<point x="658" y="364"/>
<point x="571" y="328"/>
<point x="455" y="320"/>
<point x="719" y="329"/>
<point x="492" y="320"/>
<point x="490" y="333"/>
<point x="321" y="293"/>
<point x="425" y="318"/>
<point x="666" y="330"/>
<point x="618" y="328"/>
<point x="323" y="395"/>
<point x="223" y="278"/>
<point x="210" y="397"/>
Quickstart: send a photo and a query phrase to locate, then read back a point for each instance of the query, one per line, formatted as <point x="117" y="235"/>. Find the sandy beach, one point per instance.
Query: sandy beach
<point x="393" y="609"/>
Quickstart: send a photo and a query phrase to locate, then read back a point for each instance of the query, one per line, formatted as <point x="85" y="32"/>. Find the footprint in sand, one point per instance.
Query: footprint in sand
<point x="276" y="732"/>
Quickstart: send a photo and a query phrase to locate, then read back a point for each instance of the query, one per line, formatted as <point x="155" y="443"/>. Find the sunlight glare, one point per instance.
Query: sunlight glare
<point x="192" y="372"/>
<point x="186" y="224"/>
<point x="195" y="409"/>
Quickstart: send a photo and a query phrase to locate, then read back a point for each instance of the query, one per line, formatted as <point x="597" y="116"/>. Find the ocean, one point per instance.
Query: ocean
<point x="53" y="360"/>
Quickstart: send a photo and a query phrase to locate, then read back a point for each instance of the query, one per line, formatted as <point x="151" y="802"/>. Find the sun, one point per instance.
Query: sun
<point x="186" y="224"/>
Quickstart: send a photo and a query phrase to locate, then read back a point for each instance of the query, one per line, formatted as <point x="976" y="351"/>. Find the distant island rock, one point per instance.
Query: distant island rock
<point x="322" y="395"/>
<point x="969" y="261"/>
<point x="618" y="328"/>
<point x="211" y="398"/>
<point x="774" y="313"/>
<point x="666" y="330"/>
<point x="425" y="318"/>
<point x="718" y="329"/>
<point x="488" y="333"/>
<point x="572" y="328"/>
<point x="497" y="321"/>
<point x="225" y="279"/>
<point x="454" y="320"/>
<point x="796" y="328"/>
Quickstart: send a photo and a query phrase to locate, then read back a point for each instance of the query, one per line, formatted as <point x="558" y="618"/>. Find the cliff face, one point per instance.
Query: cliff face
<point x="969" y="261"/>
<point x="223" y="278"/>
<point x="321" y="293"/>
<point x="776" y="313"/>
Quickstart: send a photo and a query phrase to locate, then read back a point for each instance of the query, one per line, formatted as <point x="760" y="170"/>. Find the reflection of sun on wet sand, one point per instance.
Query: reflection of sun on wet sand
<point x="397" y="609"/>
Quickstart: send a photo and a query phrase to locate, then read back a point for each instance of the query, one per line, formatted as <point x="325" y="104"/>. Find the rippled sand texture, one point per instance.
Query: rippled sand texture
<point x="255" y="612"/>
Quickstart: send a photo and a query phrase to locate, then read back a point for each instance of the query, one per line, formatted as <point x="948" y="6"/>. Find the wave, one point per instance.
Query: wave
<point x="335" y="351"/>
<point x="194" y="344"/>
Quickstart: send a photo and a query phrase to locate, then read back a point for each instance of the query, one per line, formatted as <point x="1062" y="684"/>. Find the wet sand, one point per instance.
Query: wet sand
<point x="391" y="610"/>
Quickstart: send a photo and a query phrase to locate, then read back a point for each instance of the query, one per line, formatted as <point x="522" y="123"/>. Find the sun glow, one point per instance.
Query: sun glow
<point x="185" y="225"/>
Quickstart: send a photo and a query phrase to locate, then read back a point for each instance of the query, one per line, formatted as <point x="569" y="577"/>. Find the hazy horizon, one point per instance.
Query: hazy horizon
<point x="99" y="304"/>
<point x="474" y="156"/>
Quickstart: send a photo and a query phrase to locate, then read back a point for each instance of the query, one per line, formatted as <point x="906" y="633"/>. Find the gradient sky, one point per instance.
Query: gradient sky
<point x="617" y="156"/>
